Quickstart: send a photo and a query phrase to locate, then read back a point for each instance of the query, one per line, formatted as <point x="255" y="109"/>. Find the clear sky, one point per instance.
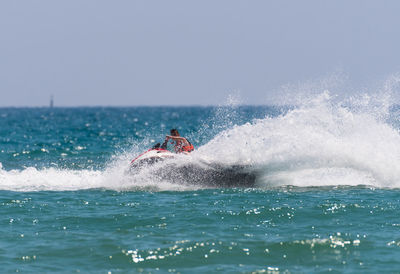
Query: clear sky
<point x="97" y="52"/>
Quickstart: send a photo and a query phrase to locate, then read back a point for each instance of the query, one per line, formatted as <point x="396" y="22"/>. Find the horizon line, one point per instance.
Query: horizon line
<point x="128" y="106"/>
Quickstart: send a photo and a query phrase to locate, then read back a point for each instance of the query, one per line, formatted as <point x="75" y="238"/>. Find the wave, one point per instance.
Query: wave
<point x="320" y="143"/>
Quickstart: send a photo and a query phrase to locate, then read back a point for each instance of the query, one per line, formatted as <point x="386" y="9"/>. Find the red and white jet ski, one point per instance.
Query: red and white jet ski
<point x="151" y="156"/>
<point x="198" y="172"/>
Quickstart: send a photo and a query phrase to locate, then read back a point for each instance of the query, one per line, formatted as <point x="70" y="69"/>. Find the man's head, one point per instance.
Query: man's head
<point x="174" y="132"/>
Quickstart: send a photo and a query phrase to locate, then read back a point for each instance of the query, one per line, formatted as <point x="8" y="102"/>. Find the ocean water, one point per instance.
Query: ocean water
<point x="323" y="189"/>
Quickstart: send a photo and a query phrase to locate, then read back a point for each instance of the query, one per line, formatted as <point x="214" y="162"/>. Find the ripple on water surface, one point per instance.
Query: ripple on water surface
<point x="295" y="229"/>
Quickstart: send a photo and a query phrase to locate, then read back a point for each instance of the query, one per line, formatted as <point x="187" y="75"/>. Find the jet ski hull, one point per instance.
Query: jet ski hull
<point x="209" y="176"/>
<point x="193" y="173"/>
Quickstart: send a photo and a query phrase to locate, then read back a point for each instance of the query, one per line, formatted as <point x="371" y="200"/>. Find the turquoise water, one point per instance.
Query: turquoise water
<point x="325" y="195"/>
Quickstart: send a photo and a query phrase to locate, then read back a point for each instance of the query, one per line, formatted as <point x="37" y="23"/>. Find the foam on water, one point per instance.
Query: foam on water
<point x="319" y="143"/>
<point x="52" y="179"/>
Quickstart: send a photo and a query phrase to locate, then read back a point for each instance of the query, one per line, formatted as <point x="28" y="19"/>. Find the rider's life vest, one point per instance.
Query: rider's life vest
<point x="187" y="148"/>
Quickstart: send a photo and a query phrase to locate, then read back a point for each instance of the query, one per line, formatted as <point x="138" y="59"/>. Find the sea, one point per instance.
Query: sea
<point x="304" y="188"/>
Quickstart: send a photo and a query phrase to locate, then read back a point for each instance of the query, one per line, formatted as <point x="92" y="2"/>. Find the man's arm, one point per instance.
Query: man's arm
<point x="177" y="138"/>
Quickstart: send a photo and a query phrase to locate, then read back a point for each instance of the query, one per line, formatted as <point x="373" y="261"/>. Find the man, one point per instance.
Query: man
<point x="181" y="144"/>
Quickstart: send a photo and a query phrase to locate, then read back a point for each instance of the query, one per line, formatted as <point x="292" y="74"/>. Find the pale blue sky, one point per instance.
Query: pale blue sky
<point x="96" y="52"/>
